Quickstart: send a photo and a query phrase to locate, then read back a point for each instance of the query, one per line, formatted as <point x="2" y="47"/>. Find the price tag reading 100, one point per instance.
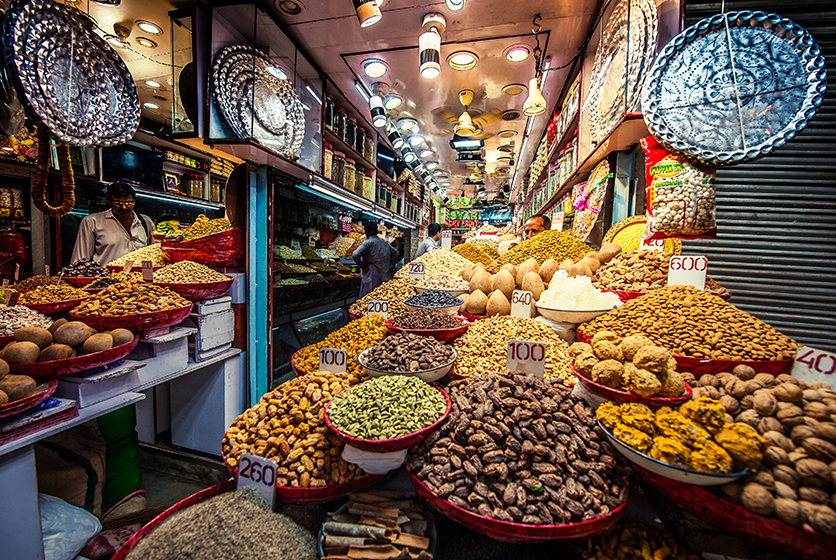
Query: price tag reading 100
<point x="416" y="270"/>
<point x="333" y="360"/>
<point x="527" y="356"/>
<point x="258" y="472"/>
<point x="688" y="271"/>
<point x="521" y="304"/>
<point x="378" y="308"/>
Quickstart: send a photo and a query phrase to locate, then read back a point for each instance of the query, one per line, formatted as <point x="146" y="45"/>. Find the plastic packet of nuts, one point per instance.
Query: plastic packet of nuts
<point x="680" y="195"/>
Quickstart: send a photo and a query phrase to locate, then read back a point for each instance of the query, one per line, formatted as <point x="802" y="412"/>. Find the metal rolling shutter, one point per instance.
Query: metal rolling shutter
<point x="776" y="247"/>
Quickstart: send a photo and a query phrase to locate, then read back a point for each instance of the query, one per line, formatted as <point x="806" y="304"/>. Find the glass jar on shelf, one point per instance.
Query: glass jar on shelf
<point x="192" y="185"/>
<point x="368" y="146"/>
<point x="350" y="131"/>
<point x="396" y="199"/>
<point x="359" y="139"/>
<point x="350" y="169"/>
<point x="329" y="113"/>
<point x="368" y="186"/>
<point x="338" y="168"/>
<point x="381" y="193"/>
<point x="340" y="120"/>
<point x="327" y="159"/>
<point x="359" y="176"/>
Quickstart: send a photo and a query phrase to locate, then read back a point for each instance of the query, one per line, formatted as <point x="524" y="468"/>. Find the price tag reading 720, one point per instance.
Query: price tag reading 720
<point x="416" y="270"/>
<point x="521" y="304"/>
<point x="260" y="473"/>
<point x="812" y="365"/>
<point x="333" y="360"/>
<point x="527" y="356"/>
<point x="378" y="308"/>
<point x="688" y="271"/>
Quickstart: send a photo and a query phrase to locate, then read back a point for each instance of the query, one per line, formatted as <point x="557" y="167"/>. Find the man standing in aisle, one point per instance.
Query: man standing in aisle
<point x="106" y="236"/>
<point x="535" y="225"/>
<point x="431" y="241"/>
<point x="374" y="256"/>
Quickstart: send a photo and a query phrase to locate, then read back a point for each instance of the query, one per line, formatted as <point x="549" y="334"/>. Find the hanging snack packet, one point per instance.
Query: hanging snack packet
<point x="680" y="196"/>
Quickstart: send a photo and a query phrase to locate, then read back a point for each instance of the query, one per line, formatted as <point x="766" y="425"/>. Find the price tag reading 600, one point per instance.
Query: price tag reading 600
<point x="333" y="360"/>
<point x="416" y="270"/>
<point x="527" y="356"/>
<point x="521" y="304"/>
<point x="688" y="271"/>
<point x="378" y="308"/>
<point x="258" y="472"/>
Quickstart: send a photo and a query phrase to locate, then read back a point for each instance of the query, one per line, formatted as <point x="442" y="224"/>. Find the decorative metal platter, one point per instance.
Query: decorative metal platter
<point x="629" y="232"/>
<point x="255" y="102"/>
<point x="734" y="87"/>
<point x="624" y="55"/>
<point x="72" y="79"/>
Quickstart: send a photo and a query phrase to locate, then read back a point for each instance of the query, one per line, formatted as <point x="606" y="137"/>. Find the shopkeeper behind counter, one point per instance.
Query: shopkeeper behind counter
<point x="535" y="225"/>
<point x="374" y="256"/>
<point x="106" y="236"/>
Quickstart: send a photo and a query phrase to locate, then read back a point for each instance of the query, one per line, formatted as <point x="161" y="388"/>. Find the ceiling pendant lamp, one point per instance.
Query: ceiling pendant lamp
<point x="368" y="12"/>
<point x="429" y="45"/>
<point x="465" y="125"/>
<point x="378" y="113"/>
<point x="536" y="103"/>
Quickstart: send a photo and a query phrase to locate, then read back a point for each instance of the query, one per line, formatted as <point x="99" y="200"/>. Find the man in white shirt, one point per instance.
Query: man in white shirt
<point x="106" y="236"/>
<point x="431" y="241"/>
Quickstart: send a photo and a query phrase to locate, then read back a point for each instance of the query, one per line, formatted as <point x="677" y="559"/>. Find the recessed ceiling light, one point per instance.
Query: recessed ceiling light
<point x="432" y="165"/>
<point x="290" y="7"/>
<point x="277" y="72"/>
<point x="506" y="148"/>
<point x="415" y="139"/>
<point x="510" y="115"/>
<point x="507" y="134"/>
<point x="517" y="53"/>
<point x="374" y="68"/>
<point x="425" y="153"/>
<point x="392" y="102"/>
<point x="150" y="28"/>
<point x="149" y="105"/>
<point x="462" y="60"/>
<point x="514" y="89"/>
<point x="407" y="123"/>
<point x="145" y="42"/>
<point x="153" y="84"/>
<point x="117" y="42"/>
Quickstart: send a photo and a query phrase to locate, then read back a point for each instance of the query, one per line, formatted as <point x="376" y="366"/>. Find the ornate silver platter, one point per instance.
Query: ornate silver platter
<point x="734" y="87"/>
<point x="622" y="59"/>
<point x="72" y="79"/>
<point x="255" y="103"/>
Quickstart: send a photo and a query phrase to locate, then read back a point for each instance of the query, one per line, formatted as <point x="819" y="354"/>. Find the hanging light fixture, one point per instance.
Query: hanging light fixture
<point x="465" y="126"/>
<point x="536" y="103"/>
<point x="408" y="155"/>
<point x="378" y="113"/>
<point x="455" y="5"/>
<point x="429" y="45"/>
<point x="368" y="12"/>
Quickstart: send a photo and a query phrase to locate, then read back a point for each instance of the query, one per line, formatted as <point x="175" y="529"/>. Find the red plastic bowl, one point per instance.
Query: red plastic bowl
<point x="54" y="368"/>
<point x="444" y="335"/>
<point x="620" y="397"/>
<point x="194" y="292"/>
<point x="353" y="316"/>
<point x="136" y="323"/>
<point x="519" y="532"/>
<point x="136" y="268"/>
<point x="225" y="248"/>
<point x="79" y="281"/>
<point x="4" y="340"/>
<point x="389" y="445"/>
<point x="764" y="532"/>
<point x="298" y="371"/>
<point x="626" y="296"/>
<point x="45" y="390"/>
<point x="55" y="306"/>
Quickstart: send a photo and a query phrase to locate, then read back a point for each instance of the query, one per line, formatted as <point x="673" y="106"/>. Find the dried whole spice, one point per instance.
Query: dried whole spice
<point x="51" y="294"/>
<point x="425" y="319"/>
<point x="131" y="298"/>
<point x="530" y="453"/>
<point x="637" y="538"/>
<point x="407" y="352"/>
<point x="35" y="281"/>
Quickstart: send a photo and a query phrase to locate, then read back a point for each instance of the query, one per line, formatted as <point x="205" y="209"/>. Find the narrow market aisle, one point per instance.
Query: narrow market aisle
<point x="170" y="475"/>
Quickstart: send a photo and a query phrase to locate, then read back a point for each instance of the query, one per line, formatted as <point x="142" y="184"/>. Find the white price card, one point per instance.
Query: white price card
<point x="333" y="360"/>
<point x="8" y="293"/>
<point x="148" y="271"/>
<point x="46" y="269"/>
<point x="378" y="308"/>
<point x="295" y="245"/>
<point x="527" y="356"/>
<point x="260" y="473"/>
<point x="17" y="272"/>
<point x="416" y="270"/>
<point x="812" y="365"/>
<point x="447" y="239"/>
<point x="655" y="244"/>
<point x="5" y="283"/>
<point x="688" y="271"/>
<point x="129" y="265"/>
<point x="521" y="304"/>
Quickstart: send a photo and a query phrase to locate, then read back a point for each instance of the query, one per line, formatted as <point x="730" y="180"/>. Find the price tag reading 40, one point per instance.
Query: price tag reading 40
<point x="521" y="304"/>
<point x="447" y="239"/>
<point x="378" y="308"/>
<point x="812" y="365"/>
<point x="148" y="271"/>
<point x="333" y="360"/>
<point x="688" y="271"/>
<point x="416" y="270"/>
<point x="260" y="473"/>
<point x="527" y="356"/>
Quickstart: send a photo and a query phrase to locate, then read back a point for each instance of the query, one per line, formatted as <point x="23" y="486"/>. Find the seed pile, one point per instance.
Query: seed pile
<point x="439" y="261"/>
<point x="289" y="282"/>
<point x="84" y="268"/>
<point x="322" y="267"/>
<point x="353" y="338"/>
<point x="35" y="281"/>
<point x="443" y="282"/>
<point x="299" y="268"/>
<point x="286" y="252"/>
<point x="691" y="322"/>
<point x="642" y="270"/>
<point x="549" y="244"/>
<point x="151" y="253"/>
<point x="474" y="254"/>
<point x="232" y="526"/>
<point x="287" y="426"/>
<point x="425" y="319"/>
<point x="484" y="347"/>
<point x="393" y="292"/>
<point x="188" y="272"/>
<point x="518" y="449"/>
<point x="51" y="294"/>
<point x="202" y="229"/>
<point x="387" y="407"/>
<point x="490" y="250"/>
<point x="636" y="539"/>
<point x="18" y="316"/>
<point x="131" y="298"/>
<point x="407" y="352"/>
<point x="434" y="298"/>
<point x="309" y="254"/>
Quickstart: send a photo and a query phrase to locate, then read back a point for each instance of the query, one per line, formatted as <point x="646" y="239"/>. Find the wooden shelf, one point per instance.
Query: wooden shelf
<point x="559" y="145"/>
<point x="165" y="197"/>
<point x="339" y="145"/>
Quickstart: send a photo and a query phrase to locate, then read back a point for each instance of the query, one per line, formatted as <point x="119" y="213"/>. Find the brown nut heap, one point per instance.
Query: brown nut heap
<point x="131" y="297"/>
<point x="287" y="426"/>
<point x="690" y="322"/>
<point x="393" y="291"/>
<point x="51" y="294"/>
<point x="518" y="449"/>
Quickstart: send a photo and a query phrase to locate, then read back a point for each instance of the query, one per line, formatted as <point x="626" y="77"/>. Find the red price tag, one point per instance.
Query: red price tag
<point x="527" y="356"/>
<point x="447" y="239"/>
<point x="416" y="270"/>
<point x="521" y="304"/>
<point x="813" y="365"/>
<point x="333" y="360"/>
<point x="378" y="308"/>
<point x="260" y="473"/>
<point x="688" y="271"/>
<point x="148" y="271"/>
<point x="128" y="266"/>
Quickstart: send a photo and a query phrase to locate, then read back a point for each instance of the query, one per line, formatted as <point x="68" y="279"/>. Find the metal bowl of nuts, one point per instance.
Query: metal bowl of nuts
<point x="567" y="316"/>
<point x="430" y="375"/>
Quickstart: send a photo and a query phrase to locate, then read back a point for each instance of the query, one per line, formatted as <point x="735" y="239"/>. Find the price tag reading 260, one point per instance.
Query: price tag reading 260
<point x="416" y="270"/>
<point x="521" y="304"/>
<point x="527" y="356"/>
<point x="333" y="360"/>
<point x="688" y="271"/>
<point x="378" y="308"/>
<point x="258" y="472"/>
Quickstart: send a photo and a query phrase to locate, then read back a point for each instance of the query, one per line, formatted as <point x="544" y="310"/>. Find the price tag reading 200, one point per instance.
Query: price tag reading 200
<point x="521" y="304"/>
<point x="333" y="360"/>
<point x="378" y="308"/>
<point x="688" y="271"/>
<point x="527" y="356"/>
<point x="416" y="270"/>
<point x="258" y="472"/>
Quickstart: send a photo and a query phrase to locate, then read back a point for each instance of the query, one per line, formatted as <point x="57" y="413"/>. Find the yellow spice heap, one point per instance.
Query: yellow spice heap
<point x="549" y="244"/>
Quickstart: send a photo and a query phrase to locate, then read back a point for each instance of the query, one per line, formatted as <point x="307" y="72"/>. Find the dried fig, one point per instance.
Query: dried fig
<point x="744" y="372"/>
<point x="787" y="475"/>
<point x="788" y="511"/>
<point x="814" y="495"/>
<point x="780" y="440"/>
<point x="788" y="392"/>
<point x="757" y="499"/>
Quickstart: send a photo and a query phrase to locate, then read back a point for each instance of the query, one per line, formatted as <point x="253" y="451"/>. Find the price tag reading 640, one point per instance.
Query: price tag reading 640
<point x="258" y="472"/>
<point x="378" y="308"/>
<point x="333" y="360"/>
<point x="416" y="270"/>
<point x="527" y="356"/>
<point x="521" y="304"/>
